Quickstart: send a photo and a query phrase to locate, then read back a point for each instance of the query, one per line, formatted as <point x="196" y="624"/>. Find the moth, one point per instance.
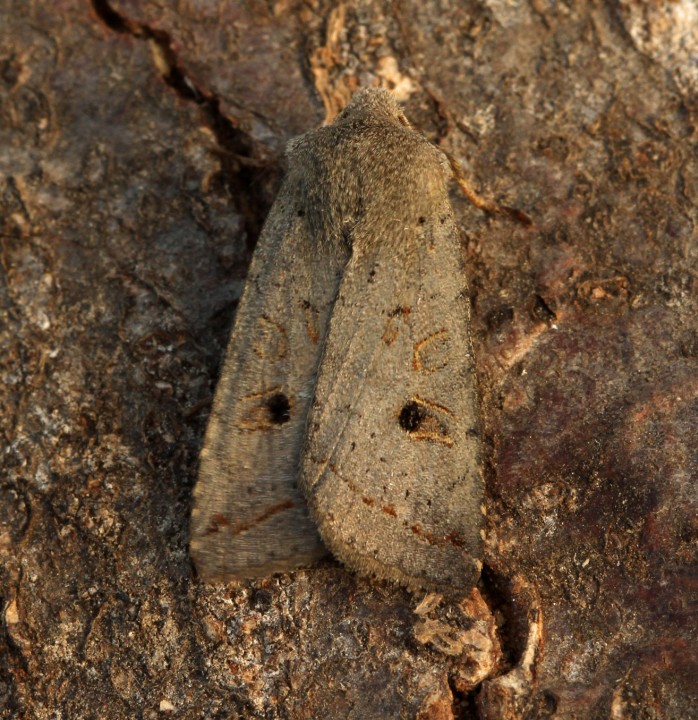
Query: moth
<point x="346" y="415"/>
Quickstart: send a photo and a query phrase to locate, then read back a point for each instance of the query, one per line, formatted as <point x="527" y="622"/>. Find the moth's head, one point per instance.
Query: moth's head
<point x="373" y="104"/>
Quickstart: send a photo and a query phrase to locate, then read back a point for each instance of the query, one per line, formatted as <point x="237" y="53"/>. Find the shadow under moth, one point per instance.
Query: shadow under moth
<point x="346" y="413"/>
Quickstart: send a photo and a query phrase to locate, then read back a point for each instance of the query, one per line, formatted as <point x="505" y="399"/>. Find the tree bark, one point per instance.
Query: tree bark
<point x="141" y="145"/>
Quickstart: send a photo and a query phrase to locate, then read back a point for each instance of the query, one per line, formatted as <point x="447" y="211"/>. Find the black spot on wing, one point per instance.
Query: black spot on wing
<point x="279" y="408"/>
<point x="412" y="416"/>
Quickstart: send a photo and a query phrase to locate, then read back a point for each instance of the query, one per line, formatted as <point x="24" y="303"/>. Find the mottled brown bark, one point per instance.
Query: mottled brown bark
<point x="140" y="146"/>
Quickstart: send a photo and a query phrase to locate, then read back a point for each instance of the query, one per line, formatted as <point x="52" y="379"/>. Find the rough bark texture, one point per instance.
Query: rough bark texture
<point x="140" y="147"/>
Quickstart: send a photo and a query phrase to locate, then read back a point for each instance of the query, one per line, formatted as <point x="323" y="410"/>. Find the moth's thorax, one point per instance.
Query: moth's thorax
<point x="368" y="169"/>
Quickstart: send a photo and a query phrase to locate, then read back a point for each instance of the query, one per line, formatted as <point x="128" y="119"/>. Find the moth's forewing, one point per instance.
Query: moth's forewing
<point x="249" y="517"/>
<point x="391" y="465"/>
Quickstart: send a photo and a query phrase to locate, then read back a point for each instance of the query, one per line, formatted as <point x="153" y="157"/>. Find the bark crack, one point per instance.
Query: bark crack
<point x="245" y="167"/>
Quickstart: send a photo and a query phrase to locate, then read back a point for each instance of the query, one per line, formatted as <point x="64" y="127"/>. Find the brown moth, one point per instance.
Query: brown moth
<point x="350" y="372"/>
